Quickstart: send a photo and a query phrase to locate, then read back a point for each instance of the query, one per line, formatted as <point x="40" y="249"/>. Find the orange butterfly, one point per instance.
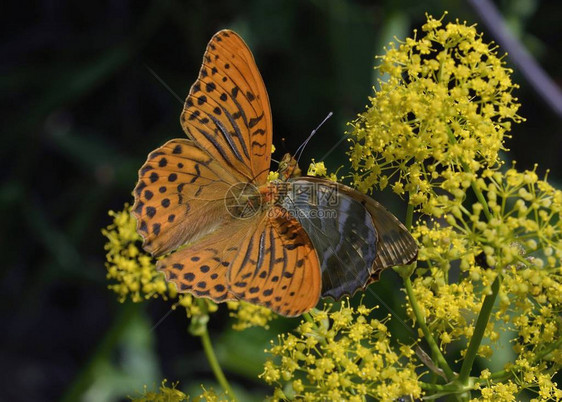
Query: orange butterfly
<point x="282" y="244"/>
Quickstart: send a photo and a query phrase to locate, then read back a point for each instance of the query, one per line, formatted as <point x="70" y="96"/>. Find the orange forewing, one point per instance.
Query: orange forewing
<point x="179" y="196"/>
<point x="227" y="110"/>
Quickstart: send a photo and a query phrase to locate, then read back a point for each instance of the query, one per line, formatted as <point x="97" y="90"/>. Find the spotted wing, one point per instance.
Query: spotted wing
<point x="277" y="266"/>
<point x="201" y="269"/>
<point x="179" y="196"/>
<point x="227" y="110"/>
<point x="354" y="236"/>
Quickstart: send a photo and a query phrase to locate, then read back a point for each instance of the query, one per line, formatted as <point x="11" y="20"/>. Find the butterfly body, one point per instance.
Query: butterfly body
<point x="224" y="232"/>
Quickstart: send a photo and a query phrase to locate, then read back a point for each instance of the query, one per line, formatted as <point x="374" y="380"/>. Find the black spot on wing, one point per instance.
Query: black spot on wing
<point x="255" y="120"/>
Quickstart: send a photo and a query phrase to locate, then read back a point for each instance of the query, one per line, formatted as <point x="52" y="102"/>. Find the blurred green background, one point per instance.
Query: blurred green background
<point x="81" y="111"/>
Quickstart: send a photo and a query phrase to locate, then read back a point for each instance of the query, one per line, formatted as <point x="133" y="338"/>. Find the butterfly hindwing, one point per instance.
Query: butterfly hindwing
<point x="277" y="266"/>
<point x="201" y="269"/>
<point x="227" y="110"/>
<point x="395" y="244"/>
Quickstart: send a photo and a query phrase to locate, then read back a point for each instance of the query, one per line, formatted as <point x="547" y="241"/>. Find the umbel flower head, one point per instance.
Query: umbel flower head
<point x="128" y="265"/>
<point x="341" y="355"/>
<point x="521" y="242"/>
<point x="445" y="103"/>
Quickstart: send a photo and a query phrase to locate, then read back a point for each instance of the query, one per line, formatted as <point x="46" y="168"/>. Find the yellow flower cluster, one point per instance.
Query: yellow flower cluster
<point x="522" y="242"/>
<point x="133" y="271"/>
<point x="318" y="169"/>
<point x="249" y="315"/>
<point x="434" y="130"/>
<point x="503" y="391"/>
<point x="128" y="265"/>
<point x="341" y="355"/>
<point x="172" y="394"/>
<point x="164" y="394"/>
<point x="445" y="103"/>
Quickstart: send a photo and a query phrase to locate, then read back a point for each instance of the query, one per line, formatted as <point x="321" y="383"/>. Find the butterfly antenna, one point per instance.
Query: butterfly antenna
<point x="299" y="151"/>
<point x="161" y="81"/>
<point x="161" y="320"/>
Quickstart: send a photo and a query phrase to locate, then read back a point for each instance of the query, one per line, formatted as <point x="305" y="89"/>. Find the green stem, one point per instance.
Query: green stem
<point x="308" y="317"/>
<point x="203" y="333"/>
<point x="215" y="366"/>
<point x="409" y="217"/>
<point x="478" y="333"/>
<point x="479" y="196"/>
<point x="445" y="388"/>
<point x="426" y="332"/>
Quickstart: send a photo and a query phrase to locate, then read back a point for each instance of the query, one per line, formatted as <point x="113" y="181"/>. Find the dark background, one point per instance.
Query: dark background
<point x="80" y="112"/>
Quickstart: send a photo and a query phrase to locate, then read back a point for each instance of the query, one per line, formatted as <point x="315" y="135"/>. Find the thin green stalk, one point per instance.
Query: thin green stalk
<point x="444" y="388"/>
<point x="409" y="217"/>
<point x="199" y="328"/>
<point x="479" y="196"/>
<point x="436" y="352"/>
<point x="308" y="317"/>
<point x="215" y="366"/>
<point x="426" y="332"/>
<point x="489" y="300"/>
<point x="478" y="334"/>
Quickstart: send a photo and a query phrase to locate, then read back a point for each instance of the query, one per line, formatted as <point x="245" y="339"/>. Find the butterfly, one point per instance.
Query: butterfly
<point x="225" y="232"/>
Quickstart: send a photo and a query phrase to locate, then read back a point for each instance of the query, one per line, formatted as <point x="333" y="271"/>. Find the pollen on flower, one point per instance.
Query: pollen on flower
<point x="317" y="169"/>
<point x="341" y="355"/>
<point x="272" y="176"/>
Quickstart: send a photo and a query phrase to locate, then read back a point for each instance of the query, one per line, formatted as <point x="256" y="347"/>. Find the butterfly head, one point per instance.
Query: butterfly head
<point x="288" y="167"/>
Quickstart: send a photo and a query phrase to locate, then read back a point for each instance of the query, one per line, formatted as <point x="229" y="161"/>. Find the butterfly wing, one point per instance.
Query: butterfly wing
<point x="354" y="236"/>
<point x="201" y="269"/>
<point x="227" y="110"/>
<point x="395" y="246"/>
<point x="179" y="196"/>
<point x="277" y="266"/>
